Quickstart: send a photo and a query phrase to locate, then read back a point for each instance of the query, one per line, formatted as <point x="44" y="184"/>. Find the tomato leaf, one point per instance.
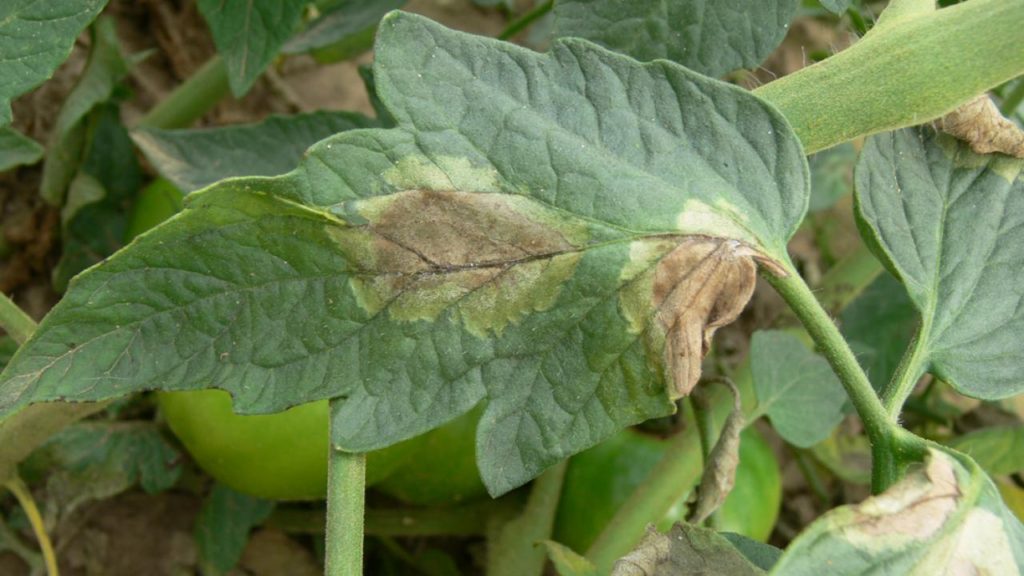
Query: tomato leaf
<point x="249" y="34"/>
<point x="223" y="526"/>
<point x="879" y="324"/>
<point x="35" y="37"/>
<point x="704" y="35"/>
<point x="998" y="449"/>
<point x="944" y="518"/>
<point x="685" y="549"/>
<point x="194" y="159"/>
<point x="104" y="70"/>
<point x="795" y="388"/>
<point x="530" y="235"/>
<point x="836" y="6"/>
<point x="16" y="149"/>
<point x="344" y="31"/>
<point x="950" y="225"/>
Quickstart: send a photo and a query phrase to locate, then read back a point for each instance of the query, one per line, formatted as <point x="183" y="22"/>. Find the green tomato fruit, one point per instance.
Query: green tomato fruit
<point x="442" y="469"/>
<point x="600" y="480"/>
<point x="274" y="456"/>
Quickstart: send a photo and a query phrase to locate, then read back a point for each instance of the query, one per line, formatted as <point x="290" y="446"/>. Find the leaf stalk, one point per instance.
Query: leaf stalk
<point x="28" y="504"/>
<point x="14" y="320"/>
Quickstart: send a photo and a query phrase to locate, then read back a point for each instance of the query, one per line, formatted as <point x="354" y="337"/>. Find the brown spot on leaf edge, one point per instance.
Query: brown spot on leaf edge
<point x="980" y="124"/>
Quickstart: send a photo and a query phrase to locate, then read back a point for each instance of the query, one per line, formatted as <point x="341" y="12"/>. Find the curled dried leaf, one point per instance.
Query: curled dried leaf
<point x="685" y="549"/>
<point x="980" y="124"/>
<point x="702" y="285"/>
<point x="720" y="469"/>
<point x="644" y="560"/>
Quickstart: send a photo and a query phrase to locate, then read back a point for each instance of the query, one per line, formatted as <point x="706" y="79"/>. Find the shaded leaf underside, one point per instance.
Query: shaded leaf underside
<point x="538" y="258"/>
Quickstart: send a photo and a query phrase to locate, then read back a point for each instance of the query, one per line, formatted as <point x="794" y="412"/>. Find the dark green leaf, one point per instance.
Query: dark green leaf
<point x="194" y="159"/>
<point x="531" y="235"/>
<point x="685" y="549"/>
<point x="950" y="225"/>
<point x="96" y="211"/>
<point x="223" y="526"/>
<point x="105" y="68"/>
<point x="879" y="324"/>
<point x="16" y="149"/>
<point x="22" y="433"/>
<point x="762" y="555"/>
<point x="831" y="175"/>
<point x="96" y="460"/>
<point x="344" y="31"/>
<point x="795" y="388"/>
<point x="999" y="450"/>
<point x="249" y="33"/>
<point x="944" y="518"/>
<point x="709" y="36"/>
<point x="35" y="37"/>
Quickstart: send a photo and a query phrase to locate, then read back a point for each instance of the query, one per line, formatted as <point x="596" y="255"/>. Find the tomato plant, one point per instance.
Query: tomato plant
<point x="469" y="299"/>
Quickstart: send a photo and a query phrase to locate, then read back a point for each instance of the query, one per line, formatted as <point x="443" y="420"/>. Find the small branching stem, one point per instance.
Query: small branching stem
<point x="28" y="504"/>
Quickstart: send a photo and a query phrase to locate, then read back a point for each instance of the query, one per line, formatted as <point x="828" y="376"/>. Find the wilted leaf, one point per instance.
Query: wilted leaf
<point x="96" y="460"/>
<point x="343" y="31"/>
<point x="950" y="225"/>
<point x="795" y="388"/>
<point x="999" y="450"/>
<point x="720" y="469"/>
<point x="16" y="149"/>
<point x="106" y="67"/>
<point x="249" y="34"/>
<point x="980" y="124"/>
<point x="709" y="36"/>
<point x="944" y="518"/>
<point x="685" y="549"/>
<point x="194" y="159"/>
<point x="35" y="37"/>
<point x="417" y="271"/>
<point x="223" y="526"/>
<point x="879" y="324"/>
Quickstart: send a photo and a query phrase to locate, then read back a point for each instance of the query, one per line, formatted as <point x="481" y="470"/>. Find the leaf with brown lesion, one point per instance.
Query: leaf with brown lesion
<point x="702" y="285"/>
<point x="984" y="128"/>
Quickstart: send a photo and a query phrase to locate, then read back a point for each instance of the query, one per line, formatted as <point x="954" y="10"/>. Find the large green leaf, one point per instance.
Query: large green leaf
<point x="710" y="36"/>
<point x="950" y="225"/>
<point x="16" y="149"/>
<point x="945" y="518"/>
<point x="249" y="33"/>
<point x="555" y="234"/>
<point x="194" y="159"/>
<point x="35" y="37"/>
<point x="795" y="388"/>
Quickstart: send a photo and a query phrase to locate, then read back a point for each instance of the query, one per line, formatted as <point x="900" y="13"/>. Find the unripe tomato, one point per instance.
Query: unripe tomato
<point x="274" y="456"/>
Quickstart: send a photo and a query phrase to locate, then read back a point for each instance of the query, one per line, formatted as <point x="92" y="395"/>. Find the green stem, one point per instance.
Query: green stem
<point x="847" y="279"/>
<point x="520" y="24"/>
<point x="193" y="98"/>
<point x="1013" y="99"/>
<point x="346" y="497"/>
<point x="9" y="541"/>
<point x="28" y="504"/>
<point x="512" y="550"/>
<point x="466" y="520"/>
<point x="909" y="371"/>
<point x="882" y="432"/>
<point x="672" y="478"/>
<point x="902" y="75"/>
<point x="14" y="320"/>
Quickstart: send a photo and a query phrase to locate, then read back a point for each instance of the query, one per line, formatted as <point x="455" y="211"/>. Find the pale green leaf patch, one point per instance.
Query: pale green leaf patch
<point x="515" y="241"/>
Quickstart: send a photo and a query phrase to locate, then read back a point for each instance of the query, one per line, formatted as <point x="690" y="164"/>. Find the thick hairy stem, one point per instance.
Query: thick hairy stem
<point x="346" y="501"/>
